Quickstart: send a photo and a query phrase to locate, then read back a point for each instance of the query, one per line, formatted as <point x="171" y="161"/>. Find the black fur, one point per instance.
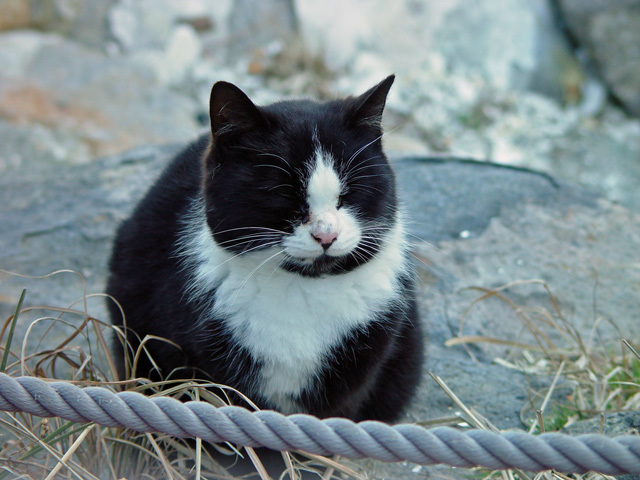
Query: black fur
<point x="374" y="371"/>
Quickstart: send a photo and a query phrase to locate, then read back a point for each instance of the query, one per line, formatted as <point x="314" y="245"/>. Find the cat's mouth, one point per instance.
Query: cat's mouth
<point x="322" y="264"/>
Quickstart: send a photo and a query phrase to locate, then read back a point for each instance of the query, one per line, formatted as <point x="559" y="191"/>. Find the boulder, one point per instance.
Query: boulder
<point x="15" y="14"/>
<point x="607" y="30"/>
<point x="138" y="25"/>
<point x="260" y="29"/>
<point x="73" y="104"/>
<point x="509" y="43"/>
<point x="83" y="21"/>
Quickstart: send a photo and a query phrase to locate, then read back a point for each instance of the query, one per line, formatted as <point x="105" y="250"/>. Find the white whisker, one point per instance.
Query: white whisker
<point x="366" y="189"/>
<point x="282" y="185"/>
<point x="356" y="169"/>
<point x="361" y="149"/>
<point x="274" y="166"/>
<point x="248" y="228"/>
<point x="264" y="154"/>
<point x="369" y="176"/>
<point x="252" y="272"/>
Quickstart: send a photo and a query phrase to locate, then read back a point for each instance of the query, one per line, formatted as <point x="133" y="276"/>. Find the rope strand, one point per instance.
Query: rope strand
<point x="332" y="436"/>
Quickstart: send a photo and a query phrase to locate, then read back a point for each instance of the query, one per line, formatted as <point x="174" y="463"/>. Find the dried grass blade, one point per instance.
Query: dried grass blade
<point x="69" y="453"/>
<point x="171" y="473"/>
<point x="630" y="347"/>
<point x="54" y="437"/>
<point x="286" y="456"/>
<point x="20" y="428"/>
<point x="253" y="456"/>
<point x="14" y="321"/>
<point x="471" y="417"/>
<point x="332" y="464"/>
<point x="498" y="341"/>
<point x="548" y="396"/>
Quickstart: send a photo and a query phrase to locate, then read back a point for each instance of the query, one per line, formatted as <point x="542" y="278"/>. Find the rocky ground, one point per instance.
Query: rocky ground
<point x="532" y="84"/>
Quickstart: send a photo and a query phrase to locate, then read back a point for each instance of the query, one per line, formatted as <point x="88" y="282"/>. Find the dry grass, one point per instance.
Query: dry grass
<point x="603" y="378"/>
<point x="48" y="448"/>
<point x="37" y="448"/>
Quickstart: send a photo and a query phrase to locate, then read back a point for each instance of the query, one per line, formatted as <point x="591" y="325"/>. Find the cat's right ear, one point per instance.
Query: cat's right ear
<point x="368" y="107"/>
<point x="231" y="111"/>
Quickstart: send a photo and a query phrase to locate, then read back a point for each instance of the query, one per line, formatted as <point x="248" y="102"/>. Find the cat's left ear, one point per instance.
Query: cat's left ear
<point x="231" y="111"/>
<point x="368" y="107"/>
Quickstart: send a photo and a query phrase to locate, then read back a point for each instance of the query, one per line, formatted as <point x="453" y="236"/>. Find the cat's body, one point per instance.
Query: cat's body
<point x="275" y="257"/>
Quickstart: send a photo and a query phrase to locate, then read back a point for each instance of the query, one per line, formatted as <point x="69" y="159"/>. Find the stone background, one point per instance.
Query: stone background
<point x="546" y="84"/>
<point x="95" y="97"/>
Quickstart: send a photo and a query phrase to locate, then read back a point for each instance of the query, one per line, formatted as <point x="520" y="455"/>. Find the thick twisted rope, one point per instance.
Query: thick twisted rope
<point x="324" y="437"/>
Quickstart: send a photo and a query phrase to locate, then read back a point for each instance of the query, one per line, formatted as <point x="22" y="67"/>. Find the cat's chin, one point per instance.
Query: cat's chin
<point x="316" y="267"/>
<point x="312" y="270"/>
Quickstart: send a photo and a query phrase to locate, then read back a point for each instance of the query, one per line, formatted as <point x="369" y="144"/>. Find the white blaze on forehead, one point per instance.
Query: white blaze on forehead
<point x="328" y="230"/>
<point x="324" y="184"/>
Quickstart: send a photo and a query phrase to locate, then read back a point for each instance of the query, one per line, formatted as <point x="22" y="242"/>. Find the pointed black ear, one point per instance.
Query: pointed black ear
<point x="370" y="105"/>
<point x="231" y="111"/>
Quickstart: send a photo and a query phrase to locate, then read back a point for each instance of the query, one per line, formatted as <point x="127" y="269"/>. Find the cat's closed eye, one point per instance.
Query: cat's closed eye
<point x="303" y="213"/>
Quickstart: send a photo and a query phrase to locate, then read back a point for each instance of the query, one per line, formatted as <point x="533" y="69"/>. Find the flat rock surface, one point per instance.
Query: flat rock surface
<point x="476" y="225"/>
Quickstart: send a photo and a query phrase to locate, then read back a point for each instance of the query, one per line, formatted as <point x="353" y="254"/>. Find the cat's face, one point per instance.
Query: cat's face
<point x="308" y="181"/>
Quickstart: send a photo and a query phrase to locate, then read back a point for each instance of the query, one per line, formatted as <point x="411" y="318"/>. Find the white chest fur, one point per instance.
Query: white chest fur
<point x="286" y="321"/>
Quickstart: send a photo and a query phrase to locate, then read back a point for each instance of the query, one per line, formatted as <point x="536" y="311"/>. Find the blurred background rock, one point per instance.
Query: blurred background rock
<point x="549" y="84"/>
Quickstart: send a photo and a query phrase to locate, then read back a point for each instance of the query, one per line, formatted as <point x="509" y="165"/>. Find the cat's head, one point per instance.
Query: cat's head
<point x="307" y="180"/>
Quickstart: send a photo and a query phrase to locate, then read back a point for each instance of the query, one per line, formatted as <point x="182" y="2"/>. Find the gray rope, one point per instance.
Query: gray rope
<point x="331" y="436"/>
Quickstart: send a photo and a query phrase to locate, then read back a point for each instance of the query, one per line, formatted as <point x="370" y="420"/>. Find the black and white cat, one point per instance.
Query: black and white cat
<point x="273" y="253"/>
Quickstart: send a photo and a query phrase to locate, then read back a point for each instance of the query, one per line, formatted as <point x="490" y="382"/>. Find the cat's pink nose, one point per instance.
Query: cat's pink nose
<point x="325" y="239"/>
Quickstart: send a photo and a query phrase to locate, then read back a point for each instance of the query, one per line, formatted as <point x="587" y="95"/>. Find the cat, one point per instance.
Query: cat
<point x="271" y="253"/>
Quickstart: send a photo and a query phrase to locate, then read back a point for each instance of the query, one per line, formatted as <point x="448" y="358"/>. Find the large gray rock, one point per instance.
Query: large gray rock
<point x="259" y="27"/>
<point x="608" y="31"/>
<point x="496" y="38"/>
<point x="15" y="14"/>
<point x="85" y="22"/>
<point x="456" y="115"/>
<point x="74" y="104"/>
<point x="510" y="43"/>
<point x="475" y="224"/>
<point x="148" y="24"/>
